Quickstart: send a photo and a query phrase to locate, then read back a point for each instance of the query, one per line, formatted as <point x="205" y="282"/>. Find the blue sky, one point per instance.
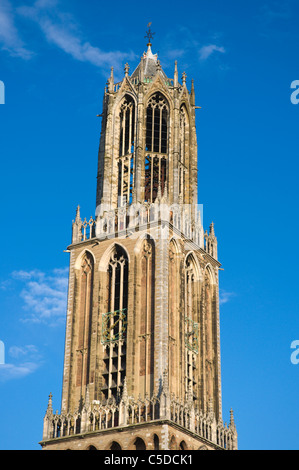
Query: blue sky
<point x="55" y="58"/>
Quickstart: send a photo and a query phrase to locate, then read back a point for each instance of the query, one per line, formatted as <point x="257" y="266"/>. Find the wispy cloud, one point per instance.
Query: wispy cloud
<point x="206" y="51"/>
<point x="44" y="295"/>
<point x="61" y="29"/>
<point x="225" y="296"/>
<point x="10" y="39"/>
<point x="27" y="360"/>
<point x="12" y="371"/>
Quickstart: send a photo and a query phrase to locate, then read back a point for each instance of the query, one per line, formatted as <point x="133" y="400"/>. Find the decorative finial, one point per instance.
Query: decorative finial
<point x="124" y="395"/>
<point x="78" y="214"/>
<point x="212" y="232"/>
<point x="50" y="406"/>
<point x="232" y="420"/>
<point x="184" y="76"/>
<point x="127" y="68"/>
<point x="149" y="34"/>
<point x="175" y="81"/>
<point x="192" y="94"/>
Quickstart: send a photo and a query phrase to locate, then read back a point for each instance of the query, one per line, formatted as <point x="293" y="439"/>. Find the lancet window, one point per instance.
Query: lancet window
<point x="114" y="324"/>
<point x="126" y="151"/>
<point x="157" y="116"/>
<point x="191" y="327"/>
<point x="183" y="150"/>
<point x="84" y="320"/>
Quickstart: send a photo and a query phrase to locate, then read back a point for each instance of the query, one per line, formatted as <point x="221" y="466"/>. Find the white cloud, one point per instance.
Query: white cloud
<point x="61" y="30"/>
<point x="10" y="39"/>
<point x="44" y="295"/>
<point x="12" y="371"/>
<point x="28" y="360"/>
<point x="206" y="51"/>
<point x="21" y="351"/>
<point x="225" y="296"/>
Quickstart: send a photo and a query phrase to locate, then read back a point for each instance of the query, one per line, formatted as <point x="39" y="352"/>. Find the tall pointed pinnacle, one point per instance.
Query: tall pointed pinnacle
<point x="176" y="75"/>
<point x="124" y="395"/>
<point x="87" y="397"/>
<point x="111" y="81"/>
<point x="192" y="94"/>
<point x="127" y="68"/>
<point x="50" y="405"/>
<point x="212" y="232"/>
<point x="232" y="420"/>
<point x="78" y="218"/>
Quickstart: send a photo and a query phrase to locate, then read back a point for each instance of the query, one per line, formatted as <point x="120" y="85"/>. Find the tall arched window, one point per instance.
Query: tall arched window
<point x="191" y="326"/>
<point x="147" y="318"/>
<point x="114" y="324"/>
<point x="209" y="338"/>
<point x="183" y="151"/>
<point x="126" y="151"/>
<point x="157" y="114"/>
<point x="84" y="320"/>
<point x="174" y="289"/>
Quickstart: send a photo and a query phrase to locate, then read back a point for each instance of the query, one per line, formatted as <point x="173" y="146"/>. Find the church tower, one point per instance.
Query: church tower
<point x="142" y="347"/>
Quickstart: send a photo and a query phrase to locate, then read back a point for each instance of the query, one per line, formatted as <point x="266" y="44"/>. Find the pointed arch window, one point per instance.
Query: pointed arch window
<point x="157" y="117"/>
<point x="126" y="151"/>
<point x="147" y="319"/>
<point x="183" y="150"/>
<point x="209" y="337"/>
<point x="191" y="327"/>
<point x="84" y="320"/>
<point x="114" y="324"/>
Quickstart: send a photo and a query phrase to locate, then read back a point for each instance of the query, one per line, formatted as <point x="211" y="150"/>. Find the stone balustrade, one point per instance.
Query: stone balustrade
<point x="99" y="416"/>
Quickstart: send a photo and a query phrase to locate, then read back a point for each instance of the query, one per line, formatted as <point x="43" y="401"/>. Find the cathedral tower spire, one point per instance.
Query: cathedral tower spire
<point x="142" y="350"/>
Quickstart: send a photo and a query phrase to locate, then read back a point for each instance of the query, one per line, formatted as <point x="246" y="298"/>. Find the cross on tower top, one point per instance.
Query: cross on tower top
<point x="149" y="34"/>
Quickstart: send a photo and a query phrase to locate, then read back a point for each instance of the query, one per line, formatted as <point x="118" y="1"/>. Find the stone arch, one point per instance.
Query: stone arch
<point x="156" y="442"/>
<point x="104" y="261"/>
<point x="157" y="88"/>
<point x="140" y="240"/>
<point x="176" y="245"/>
<point x="91" y="447"/>
<point x="137" y="444"/>
<point x="190" y="256"/>
<point x="210" y="271"/>
<point x="80" y="257"/>
<point x="114" y="445"/>
<point x="121" y="98"/>
<point x="183" y="445"/>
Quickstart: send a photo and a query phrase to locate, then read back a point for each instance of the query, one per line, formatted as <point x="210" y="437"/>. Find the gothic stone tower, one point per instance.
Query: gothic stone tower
<point x="142" y="348"/>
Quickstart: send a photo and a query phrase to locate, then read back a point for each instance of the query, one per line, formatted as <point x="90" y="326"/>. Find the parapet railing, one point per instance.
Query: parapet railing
<point x="99" y="416"/>
<point x="127" y="220"/>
